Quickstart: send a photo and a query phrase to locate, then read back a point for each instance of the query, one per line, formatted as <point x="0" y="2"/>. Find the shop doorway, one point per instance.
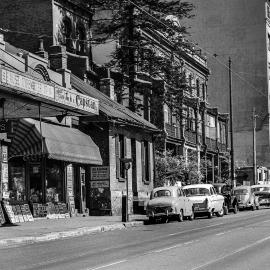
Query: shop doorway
<point x="35" y="183"/>
<point x="80" y="190"/>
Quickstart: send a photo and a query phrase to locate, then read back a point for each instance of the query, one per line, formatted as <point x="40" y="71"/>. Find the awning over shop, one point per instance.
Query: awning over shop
<point x="60" y="143"/>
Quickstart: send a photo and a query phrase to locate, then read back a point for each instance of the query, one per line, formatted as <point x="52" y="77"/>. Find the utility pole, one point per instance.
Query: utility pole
<point x="254" y="147"/>
<point x="231" y="124"/>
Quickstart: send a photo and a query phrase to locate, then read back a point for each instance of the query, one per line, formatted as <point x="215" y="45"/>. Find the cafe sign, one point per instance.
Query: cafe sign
<point x="49" y="91"/>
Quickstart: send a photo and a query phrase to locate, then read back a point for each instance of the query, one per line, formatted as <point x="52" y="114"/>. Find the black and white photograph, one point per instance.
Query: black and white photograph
<point x="134" y="134"/>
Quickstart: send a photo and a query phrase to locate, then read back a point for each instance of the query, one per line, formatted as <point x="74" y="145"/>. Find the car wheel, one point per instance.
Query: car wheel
<point x="235" y="208"/>
<point x="180" y="216"/>
<point x="192" y="216"/>
<point x="258" y="207"/>
<point x="166" y="220"/>
<point x="210" y="214"/>
<point x="221" y="212"/>
<point x="253" y="208"/>
<point x="225" y="210"/>
<point x="152" y="220"/>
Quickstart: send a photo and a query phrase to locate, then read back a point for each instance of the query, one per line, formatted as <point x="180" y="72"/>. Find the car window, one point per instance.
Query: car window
<point x="197" y="191"/>
<point x="162" y="193"/>
<point x="241" y="191"/>
<point x="255" y="189"/>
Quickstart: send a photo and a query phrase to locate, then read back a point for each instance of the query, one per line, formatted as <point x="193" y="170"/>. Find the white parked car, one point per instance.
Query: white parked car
<point x="169" y="202"/>
<point x="205" y="199"/>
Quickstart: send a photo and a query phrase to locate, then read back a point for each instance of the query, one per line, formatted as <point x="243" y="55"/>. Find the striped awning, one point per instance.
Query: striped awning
<point x="59" y="142"/>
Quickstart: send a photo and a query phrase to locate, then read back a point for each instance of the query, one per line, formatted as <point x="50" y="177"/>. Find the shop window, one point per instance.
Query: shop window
<point x="120" y="152"/>
<point x="146" y="161"/>
<point x="17" y="181"/>
<point x="54" y="181"/>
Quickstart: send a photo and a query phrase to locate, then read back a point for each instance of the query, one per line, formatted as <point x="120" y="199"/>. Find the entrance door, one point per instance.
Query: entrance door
<point x="80" y="190"/>
<point x="35" y="182"/>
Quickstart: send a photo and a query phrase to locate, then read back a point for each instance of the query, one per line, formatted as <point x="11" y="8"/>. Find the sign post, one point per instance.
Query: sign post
<point x="127" y="164"/>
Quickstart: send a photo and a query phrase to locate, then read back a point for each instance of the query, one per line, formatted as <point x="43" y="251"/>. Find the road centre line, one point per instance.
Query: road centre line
<point x="196" y="229"/>
<point x="107" y="265"/>
<point x="233" y="253"/>
<point x="167" y="248"/>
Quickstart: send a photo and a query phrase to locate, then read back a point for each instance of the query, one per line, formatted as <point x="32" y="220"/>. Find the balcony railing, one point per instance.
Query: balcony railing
<point x="190" y="136"/>
<point x="173" y="131"/>
<point x="211" y="144"/>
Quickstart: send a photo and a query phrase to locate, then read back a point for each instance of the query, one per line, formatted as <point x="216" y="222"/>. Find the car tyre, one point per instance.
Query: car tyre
<point x="180" y="216"/>
<point x="258" y="207"/>
<point x="152" y="220"/>
<point x="192" y="216"/>
<point x="225" y="210"/>
<point x="221" y="212"/>
<point x="210" y="214"/>
<point x="253" y="208"/>
<point x="235" y="208"/>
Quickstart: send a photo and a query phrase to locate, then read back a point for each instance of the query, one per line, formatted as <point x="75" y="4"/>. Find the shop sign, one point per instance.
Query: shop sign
<point x="99" y="184"/>
<point x="100" y="173"/>
<point x="4" y="127"/>
<point x="76" y="100"/>
<point x="4" y="153"/>
<point x="26" y="84"/>
<point x="52" y="92"/>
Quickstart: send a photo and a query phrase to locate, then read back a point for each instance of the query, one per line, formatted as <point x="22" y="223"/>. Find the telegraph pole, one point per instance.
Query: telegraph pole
<point x="231" y="124"/>
<point x="254" y="147"/>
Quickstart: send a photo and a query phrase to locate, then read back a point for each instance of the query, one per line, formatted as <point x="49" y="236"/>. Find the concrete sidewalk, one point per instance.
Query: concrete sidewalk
<point x="51" y="229"/>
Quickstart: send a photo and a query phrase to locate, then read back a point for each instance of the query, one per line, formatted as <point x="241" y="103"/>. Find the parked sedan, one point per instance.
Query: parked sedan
<point x="262" y="193"/>
<point x="206" y="200"/>
<point x="167" y="203"/>
<point x="246" y="198"/>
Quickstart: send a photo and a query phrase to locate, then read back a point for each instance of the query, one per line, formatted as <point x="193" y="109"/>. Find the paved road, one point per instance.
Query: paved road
<point x="239" y="241"/>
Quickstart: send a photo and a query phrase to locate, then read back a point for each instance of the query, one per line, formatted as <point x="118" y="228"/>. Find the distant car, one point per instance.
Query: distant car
<point x="226" y="191"/>
<point x="167" y="203"/>
<point x="205" y="199"/>
<point x="246" y="198"/>
<point x="262" y="193"/>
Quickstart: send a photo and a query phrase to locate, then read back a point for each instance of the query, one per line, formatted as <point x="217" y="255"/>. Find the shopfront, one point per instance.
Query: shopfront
<point x="48" y="164"/>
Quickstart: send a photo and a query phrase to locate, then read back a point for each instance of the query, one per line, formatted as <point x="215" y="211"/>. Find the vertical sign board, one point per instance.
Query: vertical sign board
<point x="100" y="177"/>
<point x="4" y="172"/>
<point x="70" y="191"/>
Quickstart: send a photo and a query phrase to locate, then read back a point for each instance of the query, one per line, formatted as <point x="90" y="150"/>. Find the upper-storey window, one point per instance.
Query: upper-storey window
<point x="210" y="127"/>
<point x="81" y="39"/>
<point x="66" y="32"/>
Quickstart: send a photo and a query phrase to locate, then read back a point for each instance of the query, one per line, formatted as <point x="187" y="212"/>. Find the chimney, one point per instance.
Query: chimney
<point x="107" y="86"/>
<point x="2" y="42"/>
<point x="41" y="52"/>
<point x="58" y="57"/>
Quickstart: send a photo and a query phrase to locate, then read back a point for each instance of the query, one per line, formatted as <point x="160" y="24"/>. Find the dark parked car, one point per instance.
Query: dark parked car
<point x="263" y="197"/>
<point x="230" y="199"/>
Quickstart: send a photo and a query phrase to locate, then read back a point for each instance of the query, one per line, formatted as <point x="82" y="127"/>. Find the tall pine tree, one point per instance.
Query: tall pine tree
<point x="125" y="21"/>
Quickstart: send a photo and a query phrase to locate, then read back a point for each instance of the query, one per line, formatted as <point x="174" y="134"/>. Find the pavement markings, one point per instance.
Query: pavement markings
<point x="107" y="265"/>
<point x="196" y="229"/>
<point x="232" y="253"/>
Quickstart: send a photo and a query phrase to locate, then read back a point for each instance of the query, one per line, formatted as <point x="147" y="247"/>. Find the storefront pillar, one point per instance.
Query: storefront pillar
<point x="43" y="177"/>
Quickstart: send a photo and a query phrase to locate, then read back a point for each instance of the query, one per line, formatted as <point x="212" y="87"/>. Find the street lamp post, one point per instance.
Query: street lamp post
<point x="127" y="164"/>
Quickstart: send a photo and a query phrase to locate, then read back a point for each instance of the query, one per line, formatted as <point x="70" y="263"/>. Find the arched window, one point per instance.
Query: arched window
<point x="81" y="38"/>
<point x="66" y="32"/>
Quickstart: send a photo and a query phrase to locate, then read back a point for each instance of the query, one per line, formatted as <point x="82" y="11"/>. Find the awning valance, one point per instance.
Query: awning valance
<point x="59" y="142"/>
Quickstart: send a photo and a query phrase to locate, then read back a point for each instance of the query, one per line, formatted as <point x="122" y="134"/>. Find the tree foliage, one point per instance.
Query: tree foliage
<point x="124" y="21"/>
<point x="173" y="168"/>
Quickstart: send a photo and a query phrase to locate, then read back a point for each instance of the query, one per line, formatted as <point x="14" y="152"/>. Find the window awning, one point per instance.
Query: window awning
<point x="60" y="143"/>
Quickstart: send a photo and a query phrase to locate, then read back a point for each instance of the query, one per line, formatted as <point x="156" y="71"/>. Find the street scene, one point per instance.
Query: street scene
<point x="134" y="134"/>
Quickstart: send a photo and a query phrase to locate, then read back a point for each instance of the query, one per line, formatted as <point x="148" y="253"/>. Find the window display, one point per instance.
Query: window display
<point x="17" y="182"/>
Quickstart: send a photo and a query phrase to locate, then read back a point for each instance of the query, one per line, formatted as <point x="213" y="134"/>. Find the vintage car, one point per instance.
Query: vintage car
<point x="226" y="191"/>
<point x="169" y="202"/>
<point x="205" y="200"/>
<point x="246" y="198"/>
<point x="262" y="192"/>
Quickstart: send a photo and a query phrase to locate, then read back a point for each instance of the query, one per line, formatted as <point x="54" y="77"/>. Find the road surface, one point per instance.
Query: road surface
<point x="240" y="241"/>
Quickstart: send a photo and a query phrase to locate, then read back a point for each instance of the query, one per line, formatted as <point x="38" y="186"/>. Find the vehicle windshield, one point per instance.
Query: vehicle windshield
<point x="260" y="189"/>
<point x="197" y="192"/>
<point x="162" y="193"/>
<point x="241" y="192"/>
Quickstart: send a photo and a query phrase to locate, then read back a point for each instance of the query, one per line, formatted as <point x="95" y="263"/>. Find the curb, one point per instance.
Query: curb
<point x="67" y="234"/>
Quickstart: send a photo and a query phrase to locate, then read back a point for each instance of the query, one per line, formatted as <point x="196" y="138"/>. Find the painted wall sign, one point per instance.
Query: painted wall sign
<point x="4" y="153"/>
<point x="76" y="100"/>
<point x="26" y="84"/>
<point x="100" y="173"/>
<point x="52" y="92"/>
<point x="100" y="184"/>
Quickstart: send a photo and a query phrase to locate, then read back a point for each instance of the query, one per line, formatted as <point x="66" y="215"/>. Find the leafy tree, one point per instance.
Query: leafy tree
<point x="172" y="168"/>
<point x="124" y="21"/>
